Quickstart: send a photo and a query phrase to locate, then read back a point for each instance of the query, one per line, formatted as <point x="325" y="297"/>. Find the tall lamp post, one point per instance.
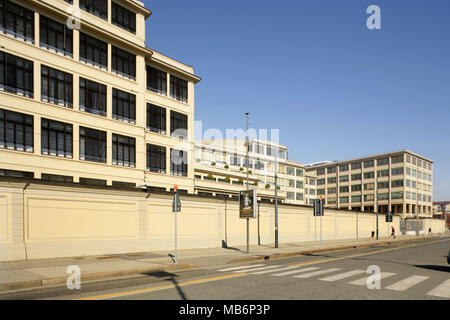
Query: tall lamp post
<point x="276" y="199"/>
<point x="246" y="156"/>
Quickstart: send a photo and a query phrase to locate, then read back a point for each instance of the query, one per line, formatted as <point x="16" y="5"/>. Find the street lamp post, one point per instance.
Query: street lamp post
<point x="247" y="146"/>
<point x="276" y="199"/>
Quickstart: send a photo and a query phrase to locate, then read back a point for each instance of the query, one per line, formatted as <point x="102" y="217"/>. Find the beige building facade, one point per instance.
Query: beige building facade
<point x="400" y="181"/>
<point x="82" y="99"/>
<point x="221" y="169"/>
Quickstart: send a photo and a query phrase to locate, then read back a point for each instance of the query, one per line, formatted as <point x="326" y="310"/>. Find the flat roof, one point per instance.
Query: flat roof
<point x="335" y="162"/>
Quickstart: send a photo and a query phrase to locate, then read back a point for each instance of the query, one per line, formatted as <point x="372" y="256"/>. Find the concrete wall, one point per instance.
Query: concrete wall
<point x="47" y="221"/>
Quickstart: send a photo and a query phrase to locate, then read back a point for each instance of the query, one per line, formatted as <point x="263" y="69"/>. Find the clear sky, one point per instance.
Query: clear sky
<point x="311" y="68"/>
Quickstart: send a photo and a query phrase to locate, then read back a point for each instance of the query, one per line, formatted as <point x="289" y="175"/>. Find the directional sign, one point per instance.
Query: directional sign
<point x="389" y="216"/>
<point x="248" y="204"/>
<point x="176" y="203"/>
<point x="318" y="207"/>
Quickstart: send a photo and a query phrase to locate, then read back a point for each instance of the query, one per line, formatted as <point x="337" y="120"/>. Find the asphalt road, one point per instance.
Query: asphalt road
<point x="411" y="270"/>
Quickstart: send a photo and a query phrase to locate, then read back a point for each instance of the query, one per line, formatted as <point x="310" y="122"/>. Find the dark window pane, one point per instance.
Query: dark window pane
<point x="56" y="87"/>
<point x="156" y="80"/>
<point x="178" y="88"/>
<point x="98" y="8"/>
<point x="93" y="51"/>
<point x="17" y="21"/>
<point x="123" y="18"/>
<point x="55" y="36"/>
<point x="124" y="106"/>
<point x="156" y="118"/>
<point x="16" y="131"/>
<point x="56" y="138"/>
<point x="16" y="75"/>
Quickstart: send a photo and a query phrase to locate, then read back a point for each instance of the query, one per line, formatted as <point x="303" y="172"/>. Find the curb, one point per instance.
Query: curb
<point x="42" y="284"/>
<point x="331" y="249"/>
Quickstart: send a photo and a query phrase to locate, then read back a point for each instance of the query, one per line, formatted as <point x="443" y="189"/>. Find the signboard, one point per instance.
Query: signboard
<point x="318" y="207"/>
<point x="389" y="216"/>
<point x="176" y="203"/>
<point x="248" y="204"/>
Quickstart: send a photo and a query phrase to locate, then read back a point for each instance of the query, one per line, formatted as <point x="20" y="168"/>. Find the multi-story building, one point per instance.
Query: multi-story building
<point x="221" y="169"/>
<point x="84" y="100"/>
<point x="401" y="181"/>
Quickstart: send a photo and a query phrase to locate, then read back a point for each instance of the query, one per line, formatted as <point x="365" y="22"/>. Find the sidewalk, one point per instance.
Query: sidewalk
<point x="41" y="273"/>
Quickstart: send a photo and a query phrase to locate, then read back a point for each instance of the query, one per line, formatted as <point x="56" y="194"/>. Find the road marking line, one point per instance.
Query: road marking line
<point x="295" y="271"/>
<point x="133" y="292"/>
<point x="363" y="281"/>
<point x="442" y="290"/>
<point x="316" y="273"/>
<point x="344" y="275"/>
<point x="407" y="283"/>
<point x="364" y="254"/>
<point x="258" y="269"/>
<point x="273" y="270"/>
<point x="244" y="267"/>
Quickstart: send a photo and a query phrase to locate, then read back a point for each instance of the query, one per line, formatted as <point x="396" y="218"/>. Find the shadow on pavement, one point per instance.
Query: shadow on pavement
<point x="434" y="267"/>
<point x="169" y="277"/>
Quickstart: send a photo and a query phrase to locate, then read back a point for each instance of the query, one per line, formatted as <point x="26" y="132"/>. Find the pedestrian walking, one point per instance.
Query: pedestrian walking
<point x="393" y="232"/>
<point x="429" y="230"/>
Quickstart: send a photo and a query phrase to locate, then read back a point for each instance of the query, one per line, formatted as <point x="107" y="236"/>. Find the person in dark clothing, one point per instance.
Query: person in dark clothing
<point x="393" y="232"/>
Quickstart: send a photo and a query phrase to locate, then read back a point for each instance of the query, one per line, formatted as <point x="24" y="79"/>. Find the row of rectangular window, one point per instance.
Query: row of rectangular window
<point x="357" y="165"/>
<point x="120" y="16"/>
<point x="419" y="174"/>
<point x="16" y="76"/>
<point x="270" y="151"/>
<point x="16" y="133"/>
<point x="57" y="37"/>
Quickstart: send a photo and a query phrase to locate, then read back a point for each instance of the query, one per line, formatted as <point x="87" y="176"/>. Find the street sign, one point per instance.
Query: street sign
<point x="176" y="203"/>
<point x="389" y="216"/>
<point x="248" y="203"/>
<point x="318" y="207"/>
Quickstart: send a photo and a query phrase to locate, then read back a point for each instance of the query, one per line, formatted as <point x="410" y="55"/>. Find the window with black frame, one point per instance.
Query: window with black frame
<point x="93" y="51"/>
<point x="16" y="21"/>
<point x="92" y="97"/>
<point x="178" y="162"/>
<point x="92" y="145"/>
<point x="156" y="158"/>
<point x="156" y="118"/>
<point x="56" y="87"/>
<point x="55" y="36"/>
<point x="16" y="75"/>
<point x="56" y="138"/>
<point x="156" y="80"/>
<point x="16" y="131"/>
<point x="178" y="89"/>
<point x="123" y="63"/>
<point x="123" y="17"/>
<point x="98" y="8"/>
<point x="123" y="151"/>
<point x="124" y="106"/>
<point x="178" y="125"/>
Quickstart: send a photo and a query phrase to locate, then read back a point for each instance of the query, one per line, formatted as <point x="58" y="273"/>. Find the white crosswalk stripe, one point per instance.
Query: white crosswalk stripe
<point x="316" y="273"/>
<point x="243" y="267"/>
<point x="363" y="281"/>
<point x="344" y="275"/>
<point x="274" y="270"/>
<point x="442" y="290"/>
<point x="407" y="283"/>
<point x="294" y="271"/>
<point x="256" y="269"/>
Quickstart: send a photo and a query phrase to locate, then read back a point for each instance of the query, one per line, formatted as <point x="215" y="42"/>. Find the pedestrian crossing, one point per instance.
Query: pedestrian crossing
<point x="357" y="277"/>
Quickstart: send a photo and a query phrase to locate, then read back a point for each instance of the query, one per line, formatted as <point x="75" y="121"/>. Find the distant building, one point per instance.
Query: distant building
<point x="401" y="180"/>
<point x="220" y="169"/>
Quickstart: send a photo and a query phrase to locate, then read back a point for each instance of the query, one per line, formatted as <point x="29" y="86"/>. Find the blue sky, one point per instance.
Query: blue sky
<point x="311" y="68"/>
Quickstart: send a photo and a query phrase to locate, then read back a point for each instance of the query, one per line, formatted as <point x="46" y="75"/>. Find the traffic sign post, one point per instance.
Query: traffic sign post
<point x="248" y="203"/>
<point x="176" y="207"/>
<point x="318" y="210"/>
